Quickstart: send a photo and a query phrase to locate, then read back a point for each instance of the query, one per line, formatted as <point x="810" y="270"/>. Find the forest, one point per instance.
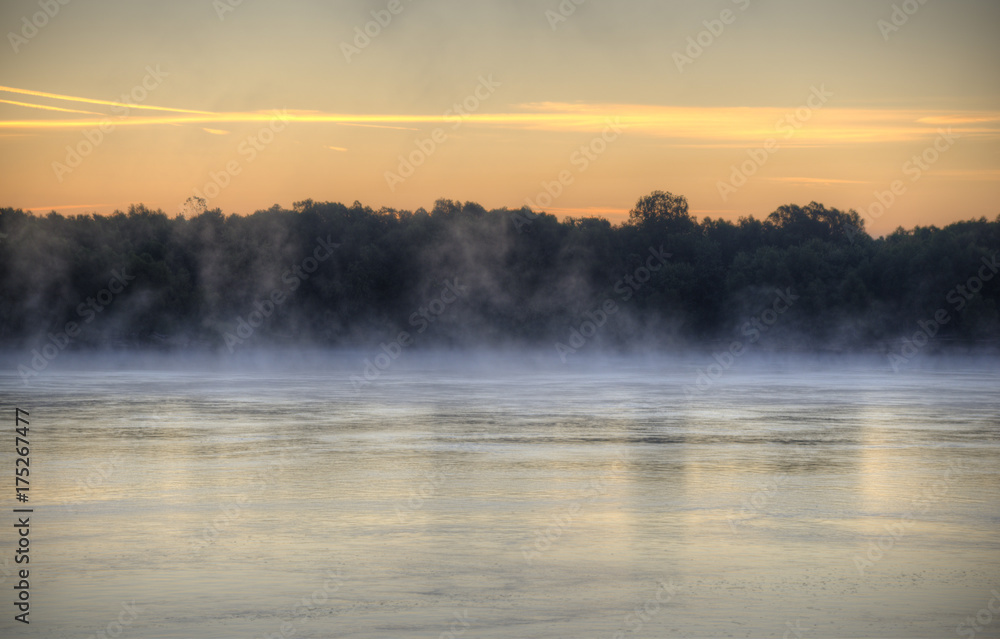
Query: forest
<point x="327" y="274"/>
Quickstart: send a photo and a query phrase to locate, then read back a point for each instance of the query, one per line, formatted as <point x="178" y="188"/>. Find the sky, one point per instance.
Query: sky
<point x="575" y="107"/>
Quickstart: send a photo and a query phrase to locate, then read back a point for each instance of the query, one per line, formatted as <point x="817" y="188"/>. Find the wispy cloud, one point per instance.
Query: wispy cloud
<point x="814" y="181"/>
<point x="62" y="207"/>
<point x="971" y="175"/>
<point x="709" y="127"/>
<point x="969" y="118"/>
<point x="380" y="126"/>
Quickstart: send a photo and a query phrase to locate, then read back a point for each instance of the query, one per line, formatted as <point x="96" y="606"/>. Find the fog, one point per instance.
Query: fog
<point x="324" y="275"/>
<point x="334" y="421"/>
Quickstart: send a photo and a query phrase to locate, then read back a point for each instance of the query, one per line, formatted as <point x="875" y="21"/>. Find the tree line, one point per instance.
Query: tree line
<point x="335" y="275"/>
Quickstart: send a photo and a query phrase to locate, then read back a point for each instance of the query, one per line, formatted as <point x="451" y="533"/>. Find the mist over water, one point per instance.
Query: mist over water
<point x="500" y="494"/>
<point x="394" y="319"/>
<point x="324" y="275"/>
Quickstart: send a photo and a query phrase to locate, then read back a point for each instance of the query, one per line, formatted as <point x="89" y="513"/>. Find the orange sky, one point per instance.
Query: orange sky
<point x="740" y="105"/>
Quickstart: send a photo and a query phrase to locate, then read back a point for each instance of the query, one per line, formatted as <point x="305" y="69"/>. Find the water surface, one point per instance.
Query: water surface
<point x="511" y="497"/>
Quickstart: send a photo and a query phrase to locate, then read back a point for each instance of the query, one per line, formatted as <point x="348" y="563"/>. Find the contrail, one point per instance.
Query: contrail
<point x="46" y="107"/>
<point x="711" y="127"/>
<point x="70" y="98"/>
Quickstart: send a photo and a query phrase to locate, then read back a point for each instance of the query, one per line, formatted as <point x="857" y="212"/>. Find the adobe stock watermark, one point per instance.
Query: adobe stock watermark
<point x="364" y="34"/>
<point x="757" y="501"/>
<point x="292" y="278"/>
<point x="419" y="496"/>
<point x="787" y="126"/>
<point x="895" y="531"/>
<point x="457" y="627"/>
<point x="564" y="10"/>
<point x="86" y="310"/>
<point x="222" y="7"/>
<point x="94" y="138"/>
<point x="300" y="611"/>
<point x="581" y="159"/>
<point x="31" y="26"/>
<point x="794" y="630"/>
<point x="972" y="626"/>
<point x="248" y="149"/>
<point x="625" y="287"/>
<point x="128" y="615"/>
<point x="959" y="298"/>
<point x="233" y="510"/>
<point x="644" y="613"/>
<point x="96" y="479"/>
<point x="561" y="521"/>
<point x="426" y="147"/>
<point x="753" y="330"/>
<point x="697" y="44"/>
<point x="421" y="319"/>
<point x="901" y="14"/>
<point x="914" y="168"/>
<point x="99" y="474"/>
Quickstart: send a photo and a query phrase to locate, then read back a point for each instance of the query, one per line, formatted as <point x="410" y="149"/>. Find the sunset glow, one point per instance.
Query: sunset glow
<point x="496" y="128"/>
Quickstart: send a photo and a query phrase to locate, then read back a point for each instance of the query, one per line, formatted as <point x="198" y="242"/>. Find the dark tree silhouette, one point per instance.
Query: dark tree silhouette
<point x="525" y="278"/>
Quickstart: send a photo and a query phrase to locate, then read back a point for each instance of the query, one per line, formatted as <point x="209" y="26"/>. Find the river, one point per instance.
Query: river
<point x="508" y="495"/>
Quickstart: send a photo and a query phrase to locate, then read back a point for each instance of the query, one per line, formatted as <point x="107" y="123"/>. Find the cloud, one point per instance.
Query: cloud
<point x="60" y="207"/>
<point x="814" y="181"/>
<point x="711" y="127"/>
<point x="971" y="175"/>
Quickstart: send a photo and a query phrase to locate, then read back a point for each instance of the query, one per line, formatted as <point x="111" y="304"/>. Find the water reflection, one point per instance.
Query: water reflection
<point x="537" y="502"/>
